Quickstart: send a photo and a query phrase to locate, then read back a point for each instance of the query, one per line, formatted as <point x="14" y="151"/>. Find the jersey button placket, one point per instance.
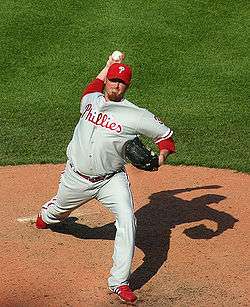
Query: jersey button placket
<point x="91" y="161"/>
<point x="90" y="154"/>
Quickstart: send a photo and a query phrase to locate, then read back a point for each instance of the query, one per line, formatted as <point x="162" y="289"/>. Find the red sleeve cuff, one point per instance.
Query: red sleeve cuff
<point x="167" y="144"/>
<point x="96" y="85"/>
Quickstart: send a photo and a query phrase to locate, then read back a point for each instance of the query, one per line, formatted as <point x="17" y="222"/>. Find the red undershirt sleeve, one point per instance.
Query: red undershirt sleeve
<point x="96" y="85"/>
<point x="167" y="144"/>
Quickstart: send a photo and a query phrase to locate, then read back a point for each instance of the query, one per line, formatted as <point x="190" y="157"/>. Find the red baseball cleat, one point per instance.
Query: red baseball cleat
<point x="40" y="224"/>
<point x="125" y="293"/>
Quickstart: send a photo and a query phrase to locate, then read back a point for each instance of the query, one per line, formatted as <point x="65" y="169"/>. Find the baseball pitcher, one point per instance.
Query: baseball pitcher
<point x="104" y="139"/>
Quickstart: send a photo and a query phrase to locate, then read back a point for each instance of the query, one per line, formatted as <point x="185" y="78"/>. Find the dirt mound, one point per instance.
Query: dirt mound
<point x="191" y="247"/>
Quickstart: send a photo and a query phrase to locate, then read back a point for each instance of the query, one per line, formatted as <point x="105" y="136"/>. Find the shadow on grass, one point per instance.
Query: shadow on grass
<point x="154" y="223"/>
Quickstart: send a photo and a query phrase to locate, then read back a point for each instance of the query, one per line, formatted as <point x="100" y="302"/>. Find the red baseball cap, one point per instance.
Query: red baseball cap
<point x="120" y="71"/>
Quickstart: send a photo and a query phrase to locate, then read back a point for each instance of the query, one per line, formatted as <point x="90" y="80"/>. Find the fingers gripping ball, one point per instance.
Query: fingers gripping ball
<point x="140" y="156"/>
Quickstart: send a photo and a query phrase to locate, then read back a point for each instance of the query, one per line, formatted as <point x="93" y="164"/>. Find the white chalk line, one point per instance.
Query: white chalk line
<point x="27" y="219"/>
<point x="32" y="219"/>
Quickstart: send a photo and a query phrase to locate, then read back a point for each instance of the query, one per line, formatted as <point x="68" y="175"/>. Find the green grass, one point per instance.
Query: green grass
<point x="190" y="61"/>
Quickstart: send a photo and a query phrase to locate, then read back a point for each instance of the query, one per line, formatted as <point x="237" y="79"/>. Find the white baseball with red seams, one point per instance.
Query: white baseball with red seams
<point x="96" y="151"/>
<point x="117" y="55"/>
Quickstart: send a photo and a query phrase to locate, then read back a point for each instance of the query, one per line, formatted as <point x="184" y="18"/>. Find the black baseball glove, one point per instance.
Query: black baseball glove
<point x="140" y="156"/>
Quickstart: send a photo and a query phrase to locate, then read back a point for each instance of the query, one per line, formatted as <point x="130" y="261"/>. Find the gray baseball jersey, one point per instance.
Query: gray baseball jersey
<point x="97" y="144"/>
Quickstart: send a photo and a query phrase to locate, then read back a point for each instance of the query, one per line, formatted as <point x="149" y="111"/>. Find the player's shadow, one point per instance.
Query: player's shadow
<point x="154" y="223"/>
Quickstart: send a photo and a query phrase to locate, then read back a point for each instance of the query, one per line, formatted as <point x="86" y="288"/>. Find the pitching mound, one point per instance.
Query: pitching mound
<point x="191" y="248"/>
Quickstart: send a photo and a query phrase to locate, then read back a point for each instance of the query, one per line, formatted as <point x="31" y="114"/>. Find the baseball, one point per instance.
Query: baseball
<point x="117" y="55"/>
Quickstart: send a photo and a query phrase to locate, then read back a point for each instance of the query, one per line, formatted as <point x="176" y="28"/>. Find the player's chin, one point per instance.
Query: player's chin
<point x="115" y="97"/>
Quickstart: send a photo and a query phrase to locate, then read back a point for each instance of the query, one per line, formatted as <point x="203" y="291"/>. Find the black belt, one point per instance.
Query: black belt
<point x="94" y="179"/>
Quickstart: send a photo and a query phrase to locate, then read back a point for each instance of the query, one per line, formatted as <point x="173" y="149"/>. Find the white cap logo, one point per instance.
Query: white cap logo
<point x="121" y="69"/>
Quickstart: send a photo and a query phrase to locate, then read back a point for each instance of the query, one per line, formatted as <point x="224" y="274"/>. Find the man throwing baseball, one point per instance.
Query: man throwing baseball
<point x="95" y="166"/>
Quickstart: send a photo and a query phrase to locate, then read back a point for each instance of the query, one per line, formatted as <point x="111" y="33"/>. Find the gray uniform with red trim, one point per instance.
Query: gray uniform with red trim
<point x="96" y="150"/>
<point x="104" y="127"/>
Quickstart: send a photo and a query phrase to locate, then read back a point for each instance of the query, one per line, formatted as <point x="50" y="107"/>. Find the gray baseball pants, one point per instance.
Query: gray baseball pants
<point x="115" y="194"/>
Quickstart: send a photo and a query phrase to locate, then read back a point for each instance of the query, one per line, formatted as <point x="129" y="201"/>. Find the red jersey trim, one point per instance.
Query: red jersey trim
<point x="164" y="137"/>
